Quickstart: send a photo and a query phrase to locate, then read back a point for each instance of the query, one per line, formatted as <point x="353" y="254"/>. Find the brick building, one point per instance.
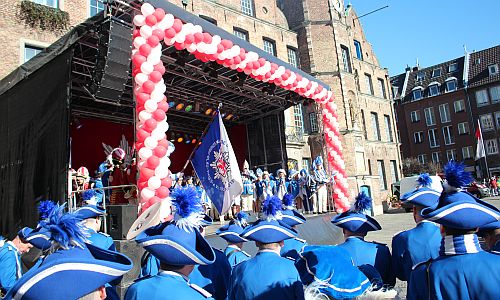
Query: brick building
<point x="437" y="109"/>
<point x="333" y="47"/>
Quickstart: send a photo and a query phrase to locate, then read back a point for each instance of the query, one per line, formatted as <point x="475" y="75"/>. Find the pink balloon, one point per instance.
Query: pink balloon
<point x="162" y="192"/>
<point x="153" y="161"/>
<point x="150" y="124"/>
<point x="153" y="41"/>
<point x="155" y="76"/>
<point x="148" y="87"/>
<point x="159" y="115"/>
<point x="145" y="49"/>
<point x="151" y="20"/>
<point x="160" y="151"/>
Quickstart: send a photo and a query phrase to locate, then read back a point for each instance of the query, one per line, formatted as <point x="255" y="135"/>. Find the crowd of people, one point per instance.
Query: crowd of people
<point x="441" y="258"/>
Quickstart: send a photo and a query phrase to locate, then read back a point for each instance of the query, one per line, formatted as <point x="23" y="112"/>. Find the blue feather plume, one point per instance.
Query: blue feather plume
<point x="288" y="200"/>
<point x="455" y="174"/>
<point x="45" y="207"/>
<point x="88" y="195"/>
<point x="65" y="229"/>
<point x="424" y="180"/>
<point x="271" y="207"/>
<point x="241" y="216"/>
<point x="363" y="202"/>
<point x="186" y="202"/>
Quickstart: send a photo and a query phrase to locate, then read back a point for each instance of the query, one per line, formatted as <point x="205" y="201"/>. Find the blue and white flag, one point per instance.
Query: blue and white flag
<point x="216" y="166"/>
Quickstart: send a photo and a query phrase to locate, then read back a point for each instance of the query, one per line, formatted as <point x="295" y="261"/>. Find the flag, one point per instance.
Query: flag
<point x="480" y="143"/>
<point x="215" y="164"/>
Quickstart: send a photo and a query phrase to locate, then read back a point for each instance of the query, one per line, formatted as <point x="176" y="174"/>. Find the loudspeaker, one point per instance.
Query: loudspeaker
<point x="119" y="220"/>
<point x="135" y="253"/>
<point x="113" y="61"/>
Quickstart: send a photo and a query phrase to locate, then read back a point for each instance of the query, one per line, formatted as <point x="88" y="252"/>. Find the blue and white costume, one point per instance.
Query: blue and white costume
<point x="10" y="266"/>
<point x="247" y="195"/>
<point x="281" y="183"/>
<point x="231" y="233"/>
<point x="320" y="198"/>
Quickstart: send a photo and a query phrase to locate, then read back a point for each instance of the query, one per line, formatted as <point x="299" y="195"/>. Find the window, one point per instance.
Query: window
<point x="422" y="158"/>
<point x="292" y="57"/>
<point x="381" y="85"/>
<point x="242" y="34"/>
<point x="247" y="7"/>
<point x="381" y="174"/>
<point x="418" y="137"/>
<point x="96" y="6"/>
<point x="444" y="113"/>
<point x="305" y="163"/>
<point x="491" y="146"/>
<point x="30" y="52"/>
<point x="313" y="121"/>
<point x="487" y="123"/>
<point x="395" y="91"/>
<point x="436" y="72"/>
<point x="497" y="118"/>
<point x="269" y="46"/>
<point x="388" y="128"/>
<point x="467" y="152"/>
<point x="51" y="3"/>
<point x="364" y="124"/>
<point x="453" y="67"/>
<point x="417" y="94"/>
<point x="463" y="128"/>
<point x="459" y="105"/>
<point x="415" y="116"/>
<point x="495" y="94"/>
<point x="345" y="59"/>
<point x="435" y="157"/>
<point x="433" y="90"/>
<point x="482" y="98"/>
<point x="376" y="129"/>
<point x="451" y="154"/>
<point x="448" y="135"/>
<point x="359" y="52"/>
<point x="451" y="85"/>
<point x="208" y="19"/>
<point x="430" y="119"/>
<point x="420" y="76"/>
<point x="433" y="142"/>
<point x="493" y="69"/>
<point x="369" y="84"/>
<point x="394" y="171"/>
<point x="297" y="118"/>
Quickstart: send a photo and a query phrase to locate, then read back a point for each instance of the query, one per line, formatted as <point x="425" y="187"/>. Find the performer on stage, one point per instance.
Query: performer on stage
<point x="281" y="184"/>
<point x="259" y="190"/>
<point x="355" y="225"/>
<point x="231" y="233"/>
<point x="293" y="188"/>
<point x="305" y="190"/>
<point x="247" y="195"/>
<point x="118" y="177"/>
<point x="320" y="200"/>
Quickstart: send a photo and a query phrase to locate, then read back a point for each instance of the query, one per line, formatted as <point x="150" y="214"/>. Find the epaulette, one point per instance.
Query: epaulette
<point x="427" y="262"/>
<point x="300" y="240"/>
<point x="200" y="290"/>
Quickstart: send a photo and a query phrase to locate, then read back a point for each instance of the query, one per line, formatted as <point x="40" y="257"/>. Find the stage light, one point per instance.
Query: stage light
<point x="171" y="104"/>
<point x="172" y="137"/>
<point x="193" y="141"/>
<point x="229" y="117"/>
<point x="179" y="106"/>
<point x="188" y="108"/>
<point x="197" y="107"/>
<point x="208" y="111"/>
<point x="188" y="141"/>
<point x="179" y="140"/>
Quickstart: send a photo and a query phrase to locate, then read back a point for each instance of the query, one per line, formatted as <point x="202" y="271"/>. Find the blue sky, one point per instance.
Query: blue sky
<point x="431" y="30"/>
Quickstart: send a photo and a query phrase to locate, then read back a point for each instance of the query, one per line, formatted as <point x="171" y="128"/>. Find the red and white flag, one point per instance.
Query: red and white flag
<point x="480" y="143"/>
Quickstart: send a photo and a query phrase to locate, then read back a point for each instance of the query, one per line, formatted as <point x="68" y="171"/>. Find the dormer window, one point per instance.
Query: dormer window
<point x="433" y="89"/>
<point x="493" y="69"/>
<point x="453" y="67"/>
<point x="436" y="72"/>
<point x="417" y="93"/>
<point x="451" y="84"/>
<point x="420" y="76"/>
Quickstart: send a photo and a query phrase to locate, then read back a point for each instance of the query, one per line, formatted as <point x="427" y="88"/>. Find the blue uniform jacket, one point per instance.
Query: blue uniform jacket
<point x="414" y="246"/>
<point x="150" y="265"/>
<point x="164" y="286"/>
<point x="294" y="188"/>
<point x="266" y="276"/>
<point x="10" y="266"/>
<point x="292" y="248"/>
<point x="235" y="255"/>
<point x="99" y="194"/>
<point x="465" y="276"/>
<point x="101" y="240"/>
<point x="371" y="253"/>
<point x="214" y="278"/>
<point x="259" y="188"/>
<point x="247" y="186"/>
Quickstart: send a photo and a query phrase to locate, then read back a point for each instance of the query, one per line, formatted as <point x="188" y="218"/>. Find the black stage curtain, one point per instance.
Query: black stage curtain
<point x="34" y="135"/>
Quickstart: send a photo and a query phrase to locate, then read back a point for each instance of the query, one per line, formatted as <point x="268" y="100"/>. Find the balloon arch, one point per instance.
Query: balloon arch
<point x="152" y="27"/>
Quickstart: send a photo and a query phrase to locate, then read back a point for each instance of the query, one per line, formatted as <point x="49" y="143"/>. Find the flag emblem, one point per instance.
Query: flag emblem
<point x="220" y="165"/>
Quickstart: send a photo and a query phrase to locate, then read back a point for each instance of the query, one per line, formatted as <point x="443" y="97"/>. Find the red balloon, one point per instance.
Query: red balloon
<point x="159" y="14"/>
<point x="142" y="184"/>
<point x="179" y="46"/>
<point x="141" y="98"/>
<point x="142" y="135"/>
<point x="139" y="145"/>
<point x="160" y="34"/>
<point x="170" y="33"/>
<point x="135" y="33"/>
<point x="160" y="68"/>
<point x="163" y="143"/>
<point x="177" y="26"/>
<point x="153" y="162"/>
<point x="145" y="49"/>
<point x="189" y="39"/>
<point x="138" y="60"/>
<point x="207" y="38"/>
<point x="159" y="115"/>
<point x="162" y="192"/>
<point x="220" y="48"/>
<point x="226" y="44"/>
<point x="166" y="182"/>
<point x="163" y="105"/>
<point x="198" y="37"/>
<point x="153" y="200"/>
<point x="148" y="86"/>
<point x="146" y="173"/>
<point x="262" y="61"/>
<point x="135" y="72"/>
<point x="153" y="41"/>
<point x="160" y="151"/>
<point x="151" y="20"/>
<point x="155" y="76"/>
<point x="150" y="124"/>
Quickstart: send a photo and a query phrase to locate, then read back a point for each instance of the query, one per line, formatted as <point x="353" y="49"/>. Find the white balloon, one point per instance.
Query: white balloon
<point x="139" y="20"/>
<point x="139" y="41"/>
<point x="146" y="31"/>
<point x="145" y="153"/>
<point x="165" y="161"/>
<point x="191" y="48"/>
<point x="140" y="78"/>
<point x="157" y="134"/>
<point x="154" y="182"/>
<point x="169" y="42"/>
<point x="198" y="29"/>
<point x="160" y="87"/>
<point x="156" y="96"/>
<point x="147" y="193"/>
<point x="151" y="106"/>
<point x="180" y="37"/>
<point x="144" y="116"/>
<point x="169" y="20"/>
<point x="147" y="9"/>
<point x="147" y="68"/>
<point x="216" y="40"/>
<point x="202" y="47"/>
<point x="161" y="172"/>
<point x="150" y="142"/>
